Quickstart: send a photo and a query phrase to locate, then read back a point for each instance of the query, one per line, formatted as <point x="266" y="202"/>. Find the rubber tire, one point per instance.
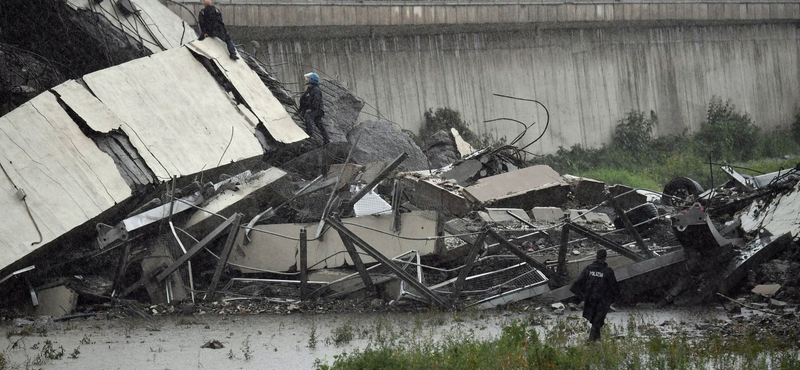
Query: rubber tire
<point x="681" y="187"/>
<point x="641" y="213"/>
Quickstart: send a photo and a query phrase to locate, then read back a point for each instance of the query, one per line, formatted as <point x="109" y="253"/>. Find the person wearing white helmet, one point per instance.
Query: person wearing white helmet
<point x="311" y="107"/>
<point x="210" y="21"/>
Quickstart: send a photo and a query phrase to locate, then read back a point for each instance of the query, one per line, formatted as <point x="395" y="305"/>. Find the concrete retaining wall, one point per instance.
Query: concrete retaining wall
<point x="588" y="78"/>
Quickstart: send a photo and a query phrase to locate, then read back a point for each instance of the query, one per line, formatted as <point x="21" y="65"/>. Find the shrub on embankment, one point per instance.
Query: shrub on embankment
<point x="636" y="158"/>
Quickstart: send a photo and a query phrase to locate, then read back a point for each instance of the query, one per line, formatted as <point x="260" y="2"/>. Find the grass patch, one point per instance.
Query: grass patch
<point x="664" y="159"/>
<point x="520" y="346"/>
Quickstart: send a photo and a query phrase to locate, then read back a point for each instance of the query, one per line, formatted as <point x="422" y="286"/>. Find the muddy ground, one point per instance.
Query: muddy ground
<point x="298" y="341"/>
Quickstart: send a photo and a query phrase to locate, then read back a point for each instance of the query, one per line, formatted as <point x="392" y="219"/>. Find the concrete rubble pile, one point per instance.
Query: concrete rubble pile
<point x="184" y="178"/>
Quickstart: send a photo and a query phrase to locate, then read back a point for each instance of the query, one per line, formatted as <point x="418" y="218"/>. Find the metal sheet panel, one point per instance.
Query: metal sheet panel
<point x="174" y="113"/>
<point x="256" y="95"/>
<point x="67" y="179"/>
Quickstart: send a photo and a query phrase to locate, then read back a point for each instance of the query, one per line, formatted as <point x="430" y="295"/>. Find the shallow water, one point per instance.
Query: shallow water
<point x="273" y="342"/>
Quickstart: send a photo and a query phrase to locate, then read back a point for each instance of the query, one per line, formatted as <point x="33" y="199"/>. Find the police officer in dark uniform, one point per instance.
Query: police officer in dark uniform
<point x="598" y="286"/>
<point x="311" y="107"/>
<point x="211" y="25"/>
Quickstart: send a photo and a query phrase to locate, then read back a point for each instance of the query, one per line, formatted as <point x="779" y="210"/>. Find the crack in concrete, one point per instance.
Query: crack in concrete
<point x="83" y="159"/>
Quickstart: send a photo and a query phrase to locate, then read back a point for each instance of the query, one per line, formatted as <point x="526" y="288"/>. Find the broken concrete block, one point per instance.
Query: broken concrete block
<point x="502" y="215"/>
<point x="590" y="219"/>
<point x="341" y="109"/>
<point x="381" y="140"/>
<point x="776" y="304"/>
<point x="632" y="198"/>
<point x="525" y="188"/>
<point x="431" y="194"/>
<point x="587" y="191"/>
<point x="766" y="290"/>
<point x="557" y="306"/>
<point x="56" y="302"/>
<point x="440" y="149"/>
<point x="547" y="214"/>
<point x="464" y="171"/>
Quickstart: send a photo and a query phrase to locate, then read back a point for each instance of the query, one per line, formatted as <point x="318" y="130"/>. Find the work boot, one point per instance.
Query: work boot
<point x="234" y="57"/>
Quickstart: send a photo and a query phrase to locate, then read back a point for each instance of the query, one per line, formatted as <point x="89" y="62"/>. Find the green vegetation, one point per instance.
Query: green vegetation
<point x="635" y="346"/>
<point x="445" y="119"/>
<point x="634" y="158"/>
<point x="342" y="335"/>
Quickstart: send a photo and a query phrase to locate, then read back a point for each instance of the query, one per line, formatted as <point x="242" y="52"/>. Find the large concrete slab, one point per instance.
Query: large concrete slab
<point x="276" y="248"/>
<point x="525" y="188"/>
<point x="67" y="179"/>
<point x="175" y="113"/>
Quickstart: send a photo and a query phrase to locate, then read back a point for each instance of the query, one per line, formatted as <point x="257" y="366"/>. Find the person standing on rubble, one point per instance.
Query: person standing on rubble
<point x="597" y="284"/>
<point x="211" y="25"/>
<point x="311" y="107"/>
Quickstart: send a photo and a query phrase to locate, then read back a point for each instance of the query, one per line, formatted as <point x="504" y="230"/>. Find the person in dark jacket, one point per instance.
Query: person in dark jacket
<point x="598" y="286"/>
<point x="211" y="25"/>
<point x="311" y="107"/>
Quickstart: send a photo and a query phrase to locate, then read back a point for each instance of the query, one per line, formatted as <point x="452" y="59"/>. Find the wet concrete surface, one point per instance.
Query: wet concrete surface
<point x="278" y="342"/>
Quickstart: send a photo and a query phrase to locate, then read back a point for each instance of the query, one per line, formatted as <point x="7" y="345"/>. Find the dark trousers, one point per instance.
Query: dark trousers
<point x="228" y="40"/>
<point x="316" y="119"/>
<point x="594" y="334"/>
<point x="596" y="313"/>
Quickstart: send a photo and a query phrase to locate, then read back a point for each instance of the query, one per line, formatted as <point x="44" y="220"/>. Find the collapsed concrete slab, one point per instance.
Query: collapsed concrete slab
<point x="275" y="247"/>
<point x="525" y="188"/>
<point x="72" y="153"/>
<point x="191" y="121"/>
<point x="54" y="178"/>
